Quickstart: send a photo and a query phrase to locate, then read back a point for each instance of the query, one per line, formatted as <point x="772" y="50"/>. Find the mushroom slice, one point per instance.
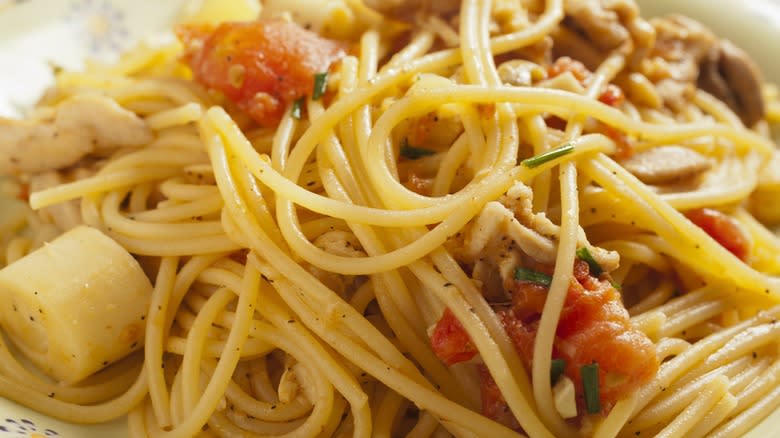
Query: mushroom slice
<point x="81" y="125"/>
<point x="666" y="164"/>
<point x="730" y="74"/>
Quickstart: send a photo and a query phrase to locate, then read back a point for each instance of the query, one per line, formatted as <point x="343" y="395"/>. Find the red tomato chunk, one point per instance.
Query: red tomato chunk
<point x="450" y="341"/>
<point x="262" y="66"/>
<point x="723" y="229"/>
<point x="594" y="327"/>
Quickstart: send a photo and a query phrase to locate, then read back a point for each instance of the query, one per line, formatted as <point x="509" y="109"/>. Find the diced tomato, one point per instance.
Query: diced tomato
<point x="493" y="404"/>
<point x="612" y="96"/>
<point x="527" y="298"/>
<point x="625" y="147"/>
<point x="723" y="229"/>
<point x="565" y="64"/>
<point x="595" y="327"/>
<point x="262" y="66"/>
<point x="449" y="340"/>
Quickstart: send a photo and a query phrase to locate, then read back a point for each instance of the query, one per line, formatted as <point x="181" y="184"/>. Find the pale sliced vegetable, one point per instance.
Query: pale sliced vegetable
<point x="75" y="305"/>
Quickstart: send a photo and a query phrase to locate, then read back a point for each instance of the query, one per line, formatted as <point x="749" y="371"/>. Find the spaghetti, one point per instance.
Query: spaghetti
<point x="439" y="225"/>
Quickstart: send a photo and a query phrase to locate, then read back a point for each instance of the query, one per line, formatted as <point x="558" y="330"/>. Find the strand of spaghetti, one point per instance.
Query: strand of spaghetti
<point x="98" y="184"/>
<point x="196" y="335"/>
<point x="252" y="348"/>
<point x="323" y="389"/>
<point x="521" y="406"/>
<point x="766" y="245"/>
<point x="117" y="222"/>
<point x="676" y="367"/>
<point x="537" y="136"/>
<point x="495" y="183"/>
<point x="758" y="388"/>
<point x="417" y="47"/>
<point x="638" y="252"/>
<point x="184" y="247"/>
<point x="190" y="112"/>
<point x="157" y="157"/>
<point x="267" y="411"/>
<point x="397" y="379"/>
<point x="399" y="308"/>
<point x="203" y="205"/>
<point x="714" y="417"/>
<point x="454" y="158"/>
<point x="716" y="108"/>
<point x="261" y="241"/>
<point x="421" y="100"/>
<point x="387" y="409"/>
<point x="611" y="426"/>
<point x="216" y="386"/>
<point x="750" y="417"/>
<point x="679" y="232"/>
<point x="473" y="296"/>
<point x="677" y="324"/>
<point x="335" y="371"/>
<point x="135" y="422"/>
<point x="556" y="296"/>
<point x="119" y="379"/>
<point x="665" y="409"/>
<point x="712" y="393"/>
<point x="179" y="190"/>
<point x="154" y="339"/>
<point x="392" y="76"/>
<point x="73" y="413"/>
<point x="394" y="373"/>
<point x="418" y="248"/>
<point x="180" y="92"/>
<point x="740" y="179"/>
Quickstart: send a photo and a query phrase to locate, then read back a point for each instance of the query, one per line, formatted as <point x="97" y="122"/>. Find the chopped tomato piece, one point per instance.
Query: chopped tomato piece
<point x="612" y="95"/>
<point x="595" y="327"/>
<point x="723" y="229"/>
<point x="565" y="64"/>
<point x="625" y="147"/>
<point x="493" y="404"/>
<point x="262" y="66"/>
<point x="450" y="341"/>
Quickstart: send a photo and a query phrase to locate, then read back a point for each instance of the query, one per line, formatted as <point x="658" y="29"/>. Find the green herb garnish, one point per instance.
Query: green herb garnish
<point x="548" y="156"/>
<point x="412" y="152"/>
<point x="537" y="277"/>
<point x="584" y="255"/>
<point x="320" y="85"/>
<point x="590" y="386"/>
<point x="556" y="369"/>
<point x="295" y="112"/>
<point x="615" y="284"/>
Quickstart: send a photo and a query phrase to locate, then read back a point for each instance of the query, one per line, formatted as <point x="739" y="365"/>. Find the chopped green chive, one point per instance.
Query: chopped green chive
<point x="412" y="152"/>
<point x="615" y="284"/>
<point x="537" y="277"/>
<point x="548" y="156"/>
<point x="584" y="255"/>
<point x="590" y="386"/>
<point x="320" y="85"/>
<point x="296" y="108"/>
<point x="556" y="369"/>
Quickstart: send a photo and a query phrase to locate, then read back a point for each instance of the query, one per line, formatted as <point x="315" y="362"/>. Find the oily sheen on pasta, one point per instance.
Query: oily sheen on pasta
<point x="423" y="219"/>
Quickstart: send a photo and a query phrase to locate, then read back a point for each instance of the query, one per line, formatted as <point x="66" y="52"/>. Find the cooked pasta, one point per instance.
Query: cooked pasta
<point x="423" y="219"/>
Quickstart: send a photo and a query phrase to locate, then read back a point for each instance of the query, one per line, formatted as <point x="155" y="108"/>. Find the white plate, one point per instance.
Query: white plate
<point x="36" y="34"/>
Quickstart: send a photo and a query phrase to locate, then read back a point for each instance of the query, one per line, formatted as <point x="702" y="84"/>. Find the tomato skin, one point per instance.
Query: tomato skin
<point x="449" y="340"/>
<point x="723" y="229"/>
<point x="262" y="66"/>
